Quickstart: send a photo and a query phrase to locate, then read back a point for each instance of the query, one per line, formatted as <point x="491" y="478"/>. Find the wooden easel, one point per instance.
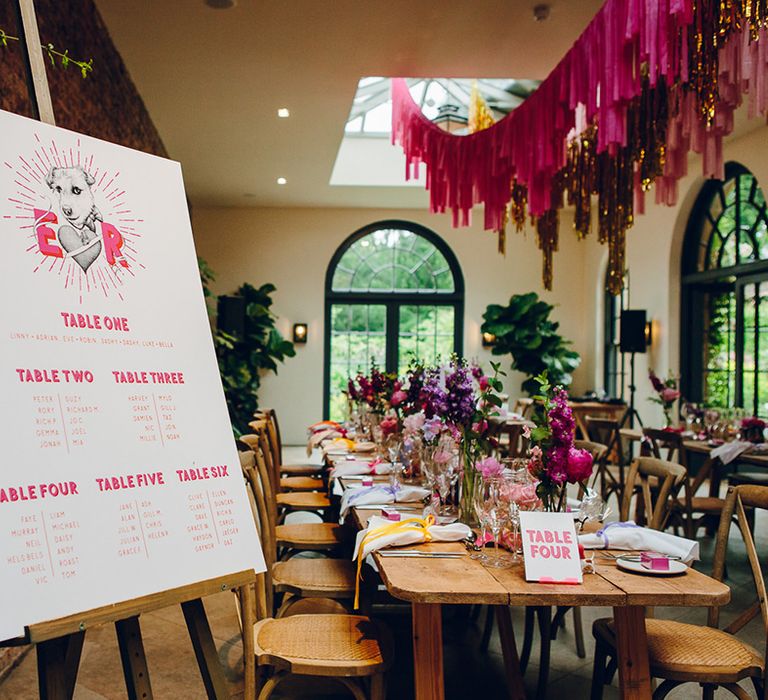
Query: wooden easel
<point x="60" y="642"/>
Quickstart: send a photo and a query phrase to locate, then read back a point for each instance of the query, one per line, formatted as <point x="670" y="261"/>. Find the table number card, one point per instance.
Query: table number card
<point x="120" y="476"/>
<point x="550" y="548"/>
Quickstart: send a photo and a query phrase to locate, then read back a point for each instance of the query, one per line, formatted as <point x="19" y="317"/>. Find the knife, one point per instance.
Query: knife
<point x="419" y="553"/>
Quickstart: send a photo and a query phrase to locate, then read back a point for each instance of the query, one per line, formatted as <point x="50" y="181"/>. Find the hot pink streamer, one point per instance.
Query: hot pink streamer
<point x="601" y="72"/>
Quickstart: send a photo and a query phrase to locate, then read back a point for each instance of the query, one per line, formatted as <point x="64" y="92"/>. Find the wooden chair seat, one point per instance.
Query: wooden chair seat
<point x="707" y="504"/>
<point x="683" y="652"/>
<point x="322" y="645"/>
<point x="303" y="500"/>
<point x="301" y="469"/>
<point x="301" y="483"/>
<point x="311" y="536"/>
<point x="331" y="578"/>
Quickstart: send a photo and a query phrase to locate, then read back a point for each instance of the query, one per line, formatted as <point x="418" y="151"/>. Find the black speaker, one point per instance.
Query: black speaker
<point x="632" y="331"/>
<point x="231" y="315"/>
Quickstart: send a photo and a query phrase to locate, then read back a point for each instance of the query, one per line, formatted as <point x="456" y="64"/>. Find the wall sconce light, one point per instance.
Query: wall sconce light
<point x="299" y="332"/>
<point x="489" y="340"/>
<point x="648" y="333"/>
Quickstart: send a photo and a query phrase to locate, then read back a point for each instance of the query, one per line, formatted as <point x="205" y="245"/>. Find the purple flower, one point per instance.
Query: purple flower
<point x="432" y="428"/>
<point x="461" y="401"/>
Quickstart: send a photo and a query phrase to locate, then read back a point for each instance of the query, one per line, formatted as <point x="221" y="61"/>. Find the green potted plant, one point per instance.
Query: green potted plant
<point x="243" y="359"/>
<point x="524" y="330"/>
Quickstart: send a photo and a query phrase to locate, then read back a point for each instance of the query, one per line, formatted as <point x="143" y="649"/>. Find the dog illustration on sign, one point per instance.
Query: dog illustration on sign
<point x="79" y="237"/>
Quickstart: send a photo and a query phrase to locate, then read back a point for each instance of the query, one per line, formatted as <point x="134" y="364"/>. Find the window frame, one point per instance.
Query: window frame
<point x="392" y="300"/>
<point x="695" y="283"/>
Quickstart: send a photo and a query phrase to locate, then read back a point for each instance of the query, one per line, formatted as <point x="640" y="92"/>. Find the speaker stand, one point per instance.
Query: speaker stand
<point x="631" y="413"/>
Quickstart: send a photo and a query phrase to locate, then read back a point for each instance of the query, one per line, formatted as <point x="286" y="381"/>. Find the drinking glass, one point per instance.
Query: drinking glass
<point x="494" y="515"/>
<point x="522" y="497"/>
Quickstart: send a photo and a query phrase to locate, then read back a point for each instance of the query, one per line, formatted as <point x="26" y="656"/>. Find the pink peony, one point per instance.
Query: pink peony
<point x="489" y="467"/>
<point x="668" y="395"/>
<point x="398" y="397"/>
<point x="413" y="423"/>
<point x="388" y="425"/>
<point x="579" y="466"/>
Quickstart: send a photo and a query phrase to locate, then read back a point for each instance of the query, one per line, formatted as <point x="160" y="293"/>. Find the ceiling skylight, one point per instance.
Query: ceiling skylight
<point x="371" y="113"/>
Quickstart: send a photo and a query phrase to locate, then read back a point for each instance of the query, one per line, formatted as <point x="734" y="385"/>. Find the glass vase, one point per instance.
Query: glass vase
<point x="466" y="490"/>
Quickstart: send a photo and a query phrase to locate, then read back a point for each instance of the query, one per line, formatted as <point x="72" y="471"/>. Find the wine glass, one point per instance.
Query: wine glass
<point x="494" y="514"/>
<point x="522" y="497"/>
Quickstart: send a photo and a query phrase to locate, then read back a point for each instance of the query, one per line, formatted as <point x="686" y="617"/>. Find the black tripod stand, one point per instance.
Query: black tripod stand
<point x="631" y="413"/>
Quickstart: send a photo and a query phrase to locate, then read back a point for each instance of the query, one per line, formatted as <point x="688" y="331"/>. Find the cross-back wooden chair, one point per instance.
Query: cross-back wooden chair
<point x="326" y="537"/>
<point x="714" y="658"/>
<point x="304" y="469"/>
<point x="656" y="484"/>
<point x="655" y="441"/>
<point x="311" y="501"/>
<point x="297" y="578"/>
<point x="610" y="473"/>
<point x="523" y="406"/>
<point x="300" y="482"/>
<point x="351" y="649"/>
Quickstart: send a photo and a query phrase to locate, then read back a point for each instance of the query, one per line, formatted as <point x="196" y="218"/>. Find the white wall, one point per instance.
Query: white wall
<point x="292" y="249"/>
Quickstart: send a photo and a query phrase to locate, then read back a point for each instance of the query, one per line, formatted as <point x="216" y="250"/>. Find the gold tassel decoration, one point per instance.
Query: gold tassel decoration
<point x="547" y="229"/>
<point x="518" y="205"/>
<point x="480" y="116"/>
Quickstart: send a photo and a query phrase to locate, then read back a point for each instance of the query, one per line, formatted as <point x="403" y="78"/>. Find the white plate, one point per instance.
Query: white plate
<point x="675" y="568"/>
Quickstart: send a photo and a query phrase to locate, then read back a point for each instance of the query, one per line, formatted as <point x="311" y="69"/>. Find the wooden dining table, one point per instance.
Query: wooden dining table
<point x="429" y="583"/>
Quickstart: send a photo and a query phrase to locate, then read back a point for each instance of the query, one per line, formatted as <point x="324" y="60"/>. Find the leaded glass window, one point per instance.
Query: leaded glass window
<point x="394" y="294"/>
<point x="725" y="295"/>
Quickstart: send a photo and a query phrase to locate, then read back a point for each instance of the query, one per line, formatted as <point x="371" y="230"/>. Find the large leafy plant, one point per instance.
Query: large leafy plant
<point x="243" y="360"/>
<point x="524" y="330"/>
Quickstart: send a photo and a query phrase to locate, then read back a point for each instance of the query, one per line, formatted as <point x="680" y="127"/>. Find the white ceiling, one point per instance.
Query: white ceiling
<point x="213" y="80"/>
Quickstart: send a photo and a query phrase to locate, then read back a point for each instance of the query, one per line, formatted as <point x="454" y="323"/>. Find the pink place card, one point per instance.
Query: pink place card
<point x="550" y="548"/>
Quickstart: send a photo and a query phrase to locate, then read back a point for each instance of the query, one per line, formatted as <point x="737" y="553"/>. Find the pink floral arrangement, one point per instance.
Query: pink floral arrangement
<point x="555" y="461"/>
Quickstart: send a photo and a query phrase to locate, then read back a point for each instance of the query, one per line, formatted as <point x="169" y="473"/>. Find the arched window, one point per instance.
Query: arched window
<point x="393" y="292"/>
<point x="724" y="335"/>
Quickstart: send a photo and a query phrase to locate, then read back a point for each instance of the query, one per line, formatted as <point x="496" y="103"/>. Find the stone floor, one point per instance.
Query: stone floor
<point x="470" y="673"/>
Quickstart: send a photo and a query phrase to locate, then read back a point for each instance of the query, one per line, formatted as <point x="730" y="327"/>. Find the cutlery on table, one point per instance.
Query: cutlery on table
<point x="419" y="553"/>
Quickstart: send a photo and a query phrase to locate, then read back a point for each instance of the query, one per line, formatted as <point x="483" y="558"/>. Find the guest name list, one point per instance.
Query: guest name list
<point x="120" y="476"/>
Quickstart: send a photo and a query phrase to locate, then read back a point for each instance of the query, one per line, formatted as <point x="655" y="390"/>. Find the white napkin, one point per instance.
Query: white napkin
<point x="319" y="436"/>
<point x="729" y="451"/>
<point x="381" y="493"/>
<point x="356" y="468"/>
<point x="407" y="535"/>
<point x="632" y="537"/>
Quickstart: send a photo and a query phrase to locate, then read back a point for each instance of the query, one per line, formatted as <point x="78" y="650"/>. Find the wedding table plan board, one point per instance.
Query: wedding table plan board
<point x="120" y="476"/>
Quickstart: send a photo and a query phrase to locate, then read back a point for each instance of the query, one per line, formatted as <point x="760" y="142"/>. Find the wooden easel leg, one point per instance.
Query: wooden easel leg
<point x="205" y="650"/>
<point x="134" y="661"/>
<point x="57" y="664"/>
<point x="248" y="606"/>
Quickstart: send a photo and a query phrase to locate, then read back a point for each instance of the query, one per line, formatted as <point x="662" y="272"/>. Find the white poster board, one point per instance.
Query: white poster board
<point x="119" y="474"/>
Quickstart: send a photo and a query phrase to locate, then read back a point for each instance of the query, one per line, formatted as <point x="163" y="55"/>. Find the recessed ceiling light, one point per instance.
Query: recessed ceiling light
<point x="282" y="181"/>
<point x="221" y="4"/>
<point x="283" y="113"/>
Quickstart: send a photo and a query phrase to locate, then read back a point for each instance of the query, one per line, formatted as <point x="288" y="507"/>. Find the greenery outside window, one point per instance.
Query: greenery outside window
<point x="394" y="293"/>
<point x="725" y="295"/>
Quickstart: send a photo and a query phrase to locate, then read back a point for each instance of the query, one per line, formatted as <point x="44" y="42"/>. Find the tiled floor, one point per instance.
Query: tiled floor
<point x="470" y="673"/>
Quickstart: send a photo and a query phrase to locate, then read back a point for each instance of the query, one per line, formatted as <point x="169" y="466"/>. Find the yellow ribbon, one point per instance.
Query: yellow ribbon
<point x="422" y="524"/>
